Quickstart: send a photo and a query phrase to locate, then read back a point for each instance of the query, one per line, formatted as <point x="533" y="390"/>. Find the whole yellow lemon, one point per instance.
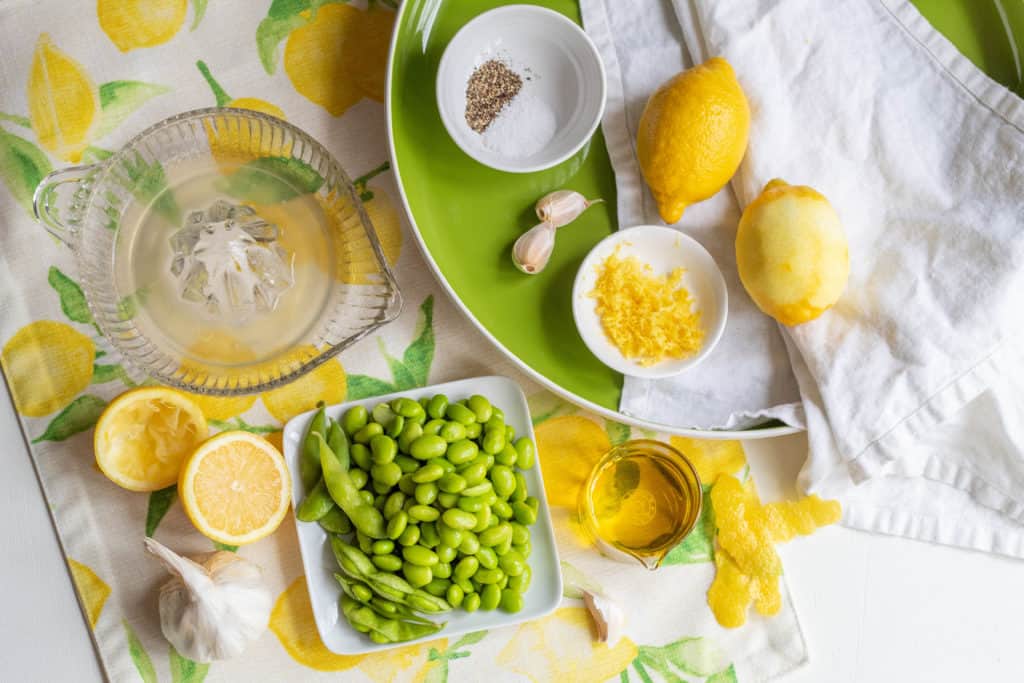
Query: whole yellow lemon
<point x="791" y="252"/>
<point x="132" y="24"/>
<point x="692" y="136"/>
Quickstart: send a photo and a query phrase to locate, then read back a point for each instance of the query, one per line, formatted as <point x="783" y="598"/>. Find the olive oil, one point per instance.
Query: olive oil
<point x="641" y="499"/>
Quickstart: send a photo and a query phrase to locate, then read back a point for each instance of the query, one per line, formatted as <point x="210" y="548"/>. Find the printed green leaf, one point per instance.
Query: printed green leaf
<point x="224" y="546"/>
<point x="469" y="639"/>
<point x="198" y="10"/>
<point x="93" y="154"/>
<point x="184" y="670"/>
<point x="699" y="545"/>
<point x="16" y="119"/>
<point x="617" y="433"/>
<point x="403" y="378"/>
<point x="147" y="182"/>
<point x="691" y="656"/>
<point x="22" y="166"/>
<point x="641" y="671"/>
<point x="80" y="415"/>
<point x="544" y="405"/>
<point x="283" y="17"/>
<point x="240" y="424"/>
<point x="219" y="94"/>
<point x="363" y="386"/>
<point x="101" y="374"/>
<point x="420" y="354"/>
<point x="159" y="503"/>
<point x="727" y="676"/>
<point x="139" y="656"/>
<point x="627" y="477"/>
<point x="119" y="99"/>
<point x="72" y="299"/>
<point x="271" y="180"/>
<point x="574" y="582"/>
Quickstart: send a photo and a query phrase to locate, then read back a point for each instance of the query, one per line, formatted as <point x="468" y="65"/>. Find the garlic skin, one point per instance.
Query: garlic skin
<point x="213" y="606"/>
<point x="562" y="207"/>
<point x="532" y="250"/>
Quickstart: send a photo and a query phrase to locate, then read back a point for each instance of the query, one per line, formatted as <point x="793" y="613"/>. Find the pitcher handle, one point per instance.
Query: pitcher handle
<point x="43" y="204"/>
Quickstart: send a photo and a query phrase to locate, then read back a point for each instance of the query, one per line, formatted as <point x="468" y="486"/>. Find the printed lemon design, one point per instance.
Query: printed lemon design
<point x="291" y="621"/>
<point x="791" y="253"/>
<point x="132" y="24"/>
<point x="47" y="364"/>
<point x="92" y="590"/>
<point x="711" y="458"/>
<point x="223" y="407"/>
<point x="326" y="383"/>
<point x="63" y="102"/>
<point x="386" y="222"/>
<point x="223" y="350"/>
<point x="340" y="56"/>
<point x="569" y="447"/>
<point x="692" y="136"/>
<point x="562" y="647"/>
<point x="386" y="667"/>
<point x="145" y="434"/>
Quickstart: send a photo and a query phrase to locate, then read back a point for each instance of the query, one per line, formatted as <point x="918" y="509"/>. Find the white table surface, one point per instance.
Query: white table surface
<point x="873" y="608"/>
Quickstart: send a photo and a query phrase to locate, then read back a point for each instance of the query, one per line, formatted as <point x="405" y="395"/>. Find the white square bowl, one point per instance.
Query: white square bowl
<point x="545" y="591"/>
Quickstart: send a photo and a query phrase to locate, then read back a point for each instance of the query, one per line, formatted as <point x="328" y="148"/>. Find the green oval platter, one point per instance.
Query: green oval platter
<point x="466" y="216"/>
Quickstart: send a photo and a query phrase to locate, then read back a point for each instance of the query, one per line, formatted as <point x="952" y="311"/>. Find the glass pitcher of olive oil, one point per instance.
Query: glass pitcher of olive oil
<point x="641" y="500"/>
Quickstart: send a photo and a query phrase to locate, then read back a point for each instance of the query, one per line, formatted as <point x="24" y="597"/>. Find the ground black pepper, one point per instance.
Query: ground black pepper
<point x="491" y="86"/>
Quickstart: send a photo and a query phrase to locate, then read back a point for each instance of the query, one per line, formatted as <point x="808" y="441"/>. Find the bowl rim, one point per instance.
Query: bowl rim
<point x="622" y="364"/>
<point x="444" y="69"/>
<point x="137" y="356"/>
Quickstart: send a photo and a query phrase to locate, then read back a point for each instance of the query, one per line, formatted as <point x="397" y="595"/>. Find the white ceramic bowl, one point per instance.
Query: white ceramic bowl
<point x="664" y="249"/>
<point x="565" y="74"/>
<point x="540" y="599"/>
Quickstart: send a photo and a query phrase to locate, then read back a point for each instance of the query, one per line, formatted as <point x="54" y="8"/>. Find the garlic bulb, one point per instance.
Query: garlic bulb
<point x="532" y="250"/>
<point x="607" y="616"/>
<point x="213" y="606"/>
<point x="562" y="207"/>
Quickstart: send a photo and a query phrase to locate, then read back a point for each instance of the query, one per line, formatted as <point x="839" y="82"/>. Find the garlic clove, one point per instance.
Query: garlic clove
<point x="607" y="616"/>
<point x="214" y="605"/>
<point x="532" y="250"/>
<point x="562" y="207"/>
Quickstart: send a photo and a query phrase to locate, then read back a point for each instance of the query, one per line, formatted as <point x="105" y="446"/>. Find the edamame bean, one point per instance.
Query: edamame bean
<point x="473" y="430"/>
<point x="361" y="592"/>
<point x="523" y="513"/>
<point x="406" y="464"/>
<point x="462" y="452"/>
<point x="521" y="582"/>
<point x="533" y="503"/>
<point x="428" y="446"/>
<point x="487" y="557"/>
<point x="437" y="406"/>
<point x="470" y="543"/>
<point x="370" y="430"/>
<point x="354" y="419"/>
<point x="367" y="497"/>
<point x="511" y="601"/>
<point x="494" y="424"/>
<point x="388" y="473"/>
<point x="520" y="534"/>
<point x="466" y="567"/>
<point x="510" y="433"/>
<point x="383" y="547"/>
<point x="520" y="493"/>
<point x="395" y="427"/>
<point x="486" y="458"/>
<point x="502" y="509"/>
<point x="523" y="549"/>
<point x="423" y="513"/>
<point x="481" y="489"/>
<point x="361" y="456"/>
<point x="433" y="427"/>
<point x="397" y="524"/>
<point x="503" y="583"/>
<point x="459" y="519"/>
<point x="527" y="453"/>
<point x="429" y="472"/>
<point x="359" y="477"/>
<point x="426" y="493"/>
<point x="452" y="432"/>
<point x="454" y="595"/>
<point x="465" y="584"/>
<point x="410" y="433"/>
<point x="380" y="488"/>
<point x="406" y="407"/>
<point x="496" y="535"/>
<point x="417" y="575"/>
<point x="474" y="474"/>
<point x="499" y="412"/>
<point x="428" y="534"/>
<point x="447" y="500"/>
<point x="388" y="563"/>
<point x="365" y="542"/>
<point x="483" y="519"/>
<point x="411" y="536"/>
<point x="481" y="407"/>
<point x="420" y="555"/>
<point x="490" y="596"/>
<point x="512" y="563"/>
<point x="442" y="570"/>
<point x="336" y="521"/>
<point x="383" y="449"/>
<point x="406" y="485"/>
<point x="445" y="553"/>
<point x="379" y="501"/>
<point x="450" y="482"/>
<point x="460" y="413"/>
<point x="448" y="535"/>
<point x="508" y="456"/>
<point x="471" y="602"/>
<point x="437" y="587"/>
<point x="471" y="503"/>
<point x="503" y="547"/>
<point x="494" y="442"/>
<point x="486" y="576"/>
<point x="503" y="479"/>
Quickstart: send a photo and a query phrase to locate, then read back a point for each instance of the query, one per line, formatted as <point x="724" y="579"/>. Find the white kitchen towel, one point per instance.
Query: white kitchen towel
<point x="912" y="383"/>
<point x="747" y="379"/>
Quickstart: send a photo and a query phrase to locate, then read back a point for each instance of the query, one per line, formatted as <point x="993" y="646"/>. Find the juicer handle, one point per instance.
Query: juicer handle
<point x="47" y="195"/>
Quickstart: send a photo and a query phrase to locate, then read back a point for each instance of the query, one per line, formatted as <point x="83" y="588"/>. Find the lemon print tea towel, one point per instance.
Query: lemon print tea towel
<point x="79" y="80"/>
